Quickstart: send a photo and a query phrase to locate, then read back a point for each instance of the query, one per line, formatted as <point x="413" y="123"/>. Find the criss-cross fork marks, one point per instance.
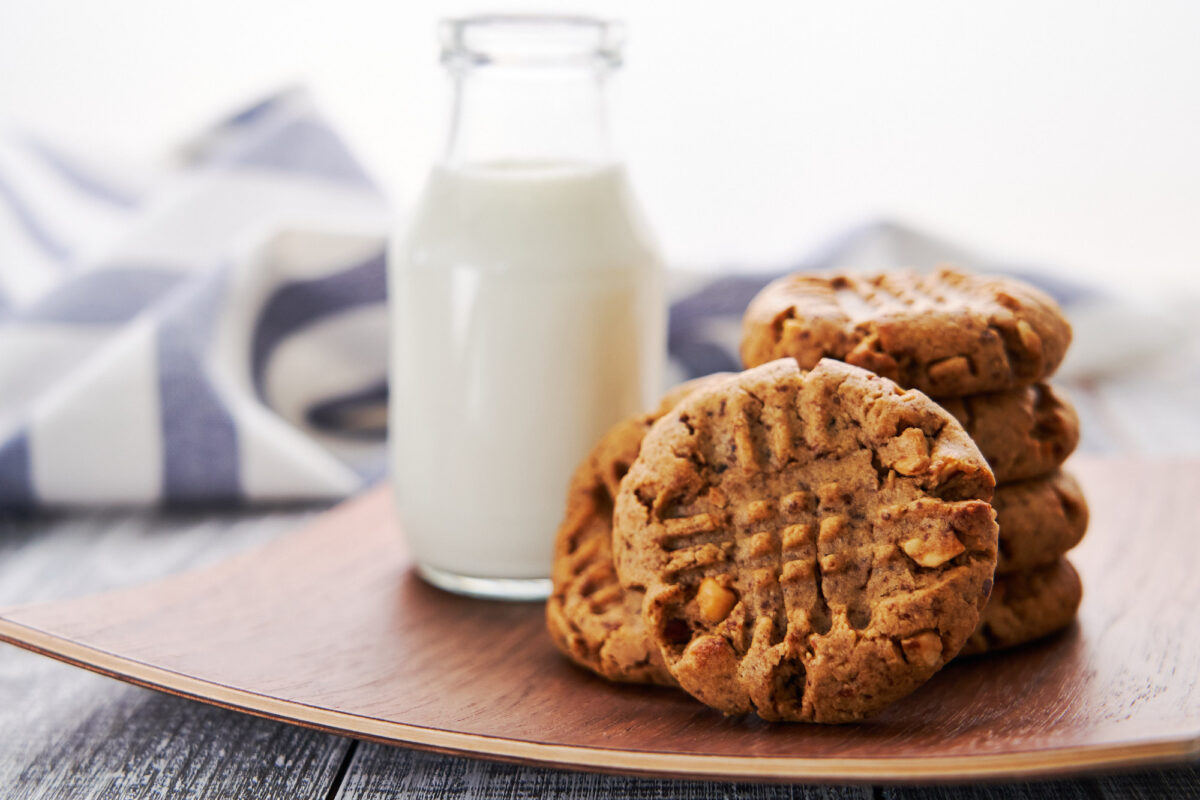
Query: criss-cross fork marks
<point x="775" y="552"/>
<point x="763" y="436"/>
<point x="801" y="563"/>
<point x="593" y="578"/>
<point x="865" y="301"/>
<point x="766" y="433"/>
<point x="695" y="544"/>
<point x="879" y="295"/>
<point x="778" y="557"/>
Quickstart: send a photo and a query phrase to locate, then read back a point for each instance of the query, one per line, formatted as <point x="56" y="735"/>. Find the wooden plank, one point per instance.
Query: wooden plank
<point x="64" y="554"/>
<point x="1041" y="790"/>
<point x="65" y="733"/>
<point x="1167" y="783"/>
<point x="1153" y="785"/>
<point x="74" y="735"/>
<point x="380" y="772"/>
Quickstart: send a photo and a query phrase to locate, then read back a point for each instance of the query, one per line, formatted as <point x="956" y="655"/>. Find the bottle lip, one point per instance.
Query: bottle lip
<point x="531" y="40"/>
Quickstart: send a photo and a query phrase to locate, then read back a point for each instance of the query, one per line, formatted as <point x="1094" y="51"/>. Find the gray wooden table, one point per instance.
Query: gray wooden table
<point x="66" y="733"/>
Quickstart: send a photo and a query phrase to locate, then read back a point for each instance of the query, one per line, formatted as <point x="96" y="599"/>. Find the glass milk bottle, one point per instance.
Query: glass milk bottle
<point x="527" y="303"/>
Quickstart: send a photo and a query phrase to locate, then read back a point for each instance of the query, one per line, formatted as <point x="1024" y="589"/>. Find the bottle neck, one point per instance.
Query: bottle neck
<point x="528" y="116"/>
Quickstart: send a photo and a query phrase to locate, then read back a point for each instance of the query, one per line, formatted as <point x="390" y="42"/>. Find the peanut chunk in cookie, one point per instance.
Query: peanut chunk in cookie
<point x="714" y="600"/>
<point x="1029" y="338"/>
<point x="913" y="452"/>
<point x="948" y="370"/>
<point x="924" y="648"/>
<point x="934" y="549"/>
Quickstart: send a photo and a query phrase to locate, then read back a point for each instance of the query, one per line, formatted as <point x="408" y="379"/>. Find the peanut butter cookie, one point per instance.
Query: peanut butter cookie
<point x="812" y="546"/>
<point x="1040" y="519"/>
<point x="590" y="617"/>
<point x="946" y="333"/>
<point x="1022" y="433"/>
<point x="1026" y="606"/>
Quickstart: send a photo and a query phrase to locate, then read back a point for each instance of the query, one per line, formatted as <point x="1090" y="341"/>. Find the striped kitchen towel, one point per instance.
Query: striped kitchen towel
<point x="216" y="331"/>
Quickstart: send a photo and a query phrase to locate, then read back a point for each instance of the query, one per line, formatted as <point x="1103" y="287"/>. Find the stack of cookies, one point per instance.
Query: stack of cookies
<point x="982" y="348"/>
<point x="812" y="539"/>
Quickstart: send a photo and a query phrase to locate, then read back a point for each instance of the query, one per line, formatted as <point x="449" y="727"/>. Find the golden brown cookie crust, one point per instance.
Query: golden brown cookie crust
<point x="1039" y="519"/>
<point x="590" y="617"/>
<point x="1022" y="433"/>
<point x="946" y="333"/>
<point x="1026" y="606"/>
<point x="813" y="546"/>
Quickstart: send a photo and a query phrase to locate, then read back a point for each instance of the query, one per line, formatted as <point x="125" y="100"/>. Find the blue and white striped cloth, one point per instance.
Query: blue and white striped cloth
<point x="216" y="332"/>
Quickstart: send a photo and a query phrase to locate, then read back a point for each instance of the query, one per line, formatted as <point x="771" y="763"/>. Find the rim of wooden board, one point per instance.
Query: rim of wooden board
<point x="899" y="769"/>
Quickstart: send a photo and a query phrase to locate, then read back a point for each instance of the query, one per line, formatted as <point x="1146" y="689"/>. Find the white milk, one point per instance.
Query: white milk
<point x="528" y="317"/>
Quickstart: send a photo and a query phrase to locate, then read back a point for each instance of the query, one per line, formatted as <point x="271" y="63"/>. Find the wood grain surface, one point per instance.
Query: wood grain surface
<point x="379" y="772"/>
<point x="327" y="627"/>
<point x="67" y="734"/>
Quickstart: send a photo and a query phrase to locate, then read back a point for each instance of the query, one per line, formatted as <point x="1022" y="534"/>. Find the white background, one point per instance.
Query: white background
<point x="1062" y="133"/>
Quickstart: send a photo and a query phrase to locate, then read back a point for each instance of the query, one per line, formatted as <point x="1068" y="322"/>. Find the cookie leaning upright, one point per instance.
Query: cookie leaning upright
<point x="591" y="619"/>
<point x="946" y="333"/>
<point x="812" y="546"/>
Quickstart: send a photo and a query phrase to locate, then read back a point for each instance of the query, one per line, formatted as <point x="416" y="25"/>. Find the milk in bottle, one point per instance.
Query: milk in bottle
<point x="527" y="305"/>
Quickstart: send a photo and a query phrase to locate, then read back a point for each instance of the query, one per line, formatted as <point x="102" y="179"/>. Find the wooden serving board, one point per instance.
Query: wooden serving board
<point x="329" y="628"/>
